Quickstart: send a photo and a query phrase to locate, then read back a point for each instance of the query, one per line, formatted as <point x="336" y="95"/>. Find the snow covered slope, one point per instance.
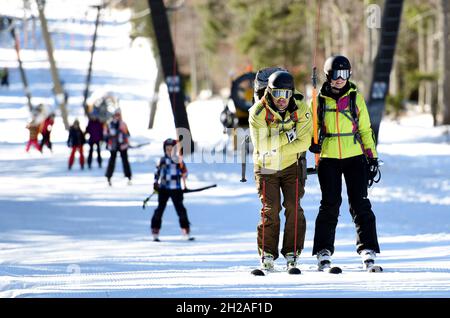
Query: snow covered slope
<point x="68" y="234"/>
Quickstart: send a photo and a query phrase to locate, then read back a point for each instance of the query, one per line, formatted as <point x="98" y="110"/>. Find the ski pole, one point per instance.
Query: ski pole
<point x="296" y="213"/>
<point x="148" y="199"/>
<point x="244" y="150"/>
<point x="186" y="190"/>
<point x="314" y="84"/>
<point x="263" y="207"/>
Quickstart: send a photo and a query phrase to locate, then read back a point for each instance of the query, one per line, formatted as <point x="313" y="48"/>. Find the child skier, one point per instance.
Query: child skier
<point x="75" y="142"/>
<point x="33" y="127"/>
<point x="171" y="171"/>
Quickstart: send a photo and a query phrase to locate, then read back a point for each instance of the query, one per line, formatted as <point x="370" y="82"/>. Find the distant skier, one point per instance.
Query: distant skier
<point x="4" y="76"/>
<point x="76" y="141"/>
<point x="171" y="171"/>
<point x="95" y="130"/>
<point x="46" y="129"/>
<point x="117" y="135"/>
<point x="280" y="129"/>
<point x="346" y="147"/>
<point x="33" y="127"/>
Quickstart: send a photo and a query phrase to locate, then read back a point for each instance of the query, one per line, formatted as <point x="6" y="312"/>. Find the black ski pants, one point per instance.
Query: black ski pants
<point x="99" y="153"/>
<point x="330" y="173"/>
<point x="46" y="141"/>
<point x="112" y="163"/>
<point x="177" y="199"/>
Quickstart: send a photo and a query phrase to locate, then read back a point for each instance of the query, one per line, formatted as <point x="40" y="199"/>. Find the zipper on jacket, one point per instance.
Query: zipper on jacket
<point x="338" y="131"/>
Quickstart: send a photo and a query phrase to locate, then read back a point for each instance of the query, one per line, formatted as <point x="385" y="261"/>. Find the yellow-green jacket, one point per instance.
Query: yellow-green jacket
<point x="272" y="149"/>
<point x="338" y="128"/>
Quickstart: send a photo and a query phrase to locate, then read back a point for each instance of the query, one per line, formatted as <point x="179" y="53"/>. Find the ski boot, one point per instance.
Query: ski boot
<point x="267" y="262"/>
<point x="324" y="262"/>
<point x="291" y="263"/>
<point x="186" y="234"/>
<point x="155" y="234"/>
<point x="368" y="260"/>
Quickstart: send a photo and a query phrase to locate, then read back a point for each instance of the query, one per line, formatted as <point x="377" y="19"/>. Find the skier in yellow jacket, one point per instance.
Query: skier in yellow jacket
<point x="280" y="128"/>
<point x="346" y="147"/>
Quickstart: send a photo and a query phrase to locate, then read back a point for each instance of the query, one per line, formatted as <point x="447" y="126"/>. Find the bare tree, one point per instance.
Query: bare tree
<point x="446" y="62"/>
<point x="54" y="71"/>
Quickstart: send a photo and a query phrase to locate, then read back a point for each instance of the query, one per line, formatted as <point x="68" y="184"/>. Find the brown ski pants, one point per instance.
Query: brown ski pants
<point x="275" y="181"/>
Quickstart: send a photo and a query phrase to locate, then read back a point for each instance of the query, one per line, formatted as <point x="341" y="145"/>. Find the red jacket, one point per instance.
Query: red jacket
<point x="46" y="126"/>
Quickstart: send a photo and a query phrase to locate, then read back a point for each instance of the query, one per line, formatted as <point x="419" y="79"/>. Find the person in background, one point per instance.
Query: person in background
<point x="95" y="130"/>
<point x="76" y="141"/>
<point x="117" y="134"/>
<point x="4" y="76"/>
<point x="46" y="129"/>
<point x="171" y="171"/>
<point x="33" y="127"/>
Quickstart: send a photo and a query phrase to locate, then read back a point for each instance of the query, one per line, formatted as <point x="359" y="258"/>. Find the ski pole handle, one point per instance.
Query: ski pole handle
<point x="144" y="204"/>
<point x="244" y="150"/>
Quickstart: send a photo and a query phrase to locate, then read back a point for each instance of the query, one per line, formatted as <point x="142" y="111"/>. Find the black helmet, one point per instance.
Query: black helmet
<point x="281" y="79"/>
<point x="169" y="142"/>
<point x="261" y="80"/>
<point x="337" y="66"/>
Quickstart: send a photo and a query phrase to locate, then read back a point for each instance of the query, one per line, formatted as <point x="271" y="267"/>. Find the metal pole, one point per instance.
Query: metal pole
<point x="89" y="74"/>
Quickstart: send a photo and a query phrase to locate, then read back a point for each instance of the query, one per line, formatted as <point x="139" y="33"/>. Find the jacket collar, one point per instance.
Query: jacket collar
<point x="327" y="91"/>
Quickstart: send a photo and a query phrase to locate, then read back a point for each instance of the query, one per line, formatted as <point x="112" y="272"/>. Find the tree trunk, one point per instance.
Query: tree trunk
<point x="421" y="58"/>
<point x="59" y="93"/>
<point x="154" y="102"/>
<point x="446" y="62"/>
<point x="429" y="86"/>
<point x="89" y="74"/>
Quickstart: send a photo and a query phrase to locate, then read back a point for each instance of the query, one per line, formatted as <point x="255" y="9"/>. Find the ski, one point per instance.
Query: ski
<point x="325" y="266"/>
<point x="335" y="270"/>
<point x="264" y="272"/>
<point x="294" y="271"/>
<point x="258" y="272"/>
<point x="374" y="269"/>
<point x="188" y="239"/>
<point x="331" y="270"/>
<point x="370" y="266"/>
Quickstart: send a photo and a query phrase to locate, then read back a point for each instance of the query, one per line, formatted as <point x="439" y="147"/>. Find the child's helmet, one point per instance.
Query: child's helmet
<point x="169" y="142"/>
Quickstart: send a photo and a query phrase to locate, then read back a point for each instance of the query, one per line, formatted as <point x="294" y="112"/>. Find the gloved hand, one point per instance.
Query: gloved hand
<point x="373" y="171"/>
<point x="373" y="163"/>
<point x="315" y="148"/>
<point x="291" y="135"/>
<point x="270" y="153"/>
<point x="156" y="186"/>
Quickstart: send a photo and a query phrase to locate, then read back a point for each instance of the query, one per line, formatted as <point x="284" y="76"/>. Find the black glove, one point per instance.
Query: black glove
<point x="156" y="186"/>
<point x="373" y="171"/>
<point x="315" y="148"/>
<point x="373" y="163"/>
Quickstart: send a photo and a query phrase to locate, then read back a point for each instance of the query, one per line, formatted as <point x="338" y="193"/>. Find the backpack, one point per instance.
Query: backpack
<point x="354" y="119"/>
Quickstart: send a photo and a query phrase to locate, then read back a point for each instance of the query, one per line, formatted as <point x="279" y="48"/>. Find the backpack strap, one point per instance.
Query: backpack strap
<point x="321" y="118"/>
<point x="354" y="112"/>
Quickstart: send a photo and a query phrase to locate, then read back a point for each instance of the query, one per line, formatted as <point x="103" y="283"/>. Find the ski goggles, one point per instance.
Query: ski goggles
<point x="344" y="74"/>
<point x="278" y="93"/>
